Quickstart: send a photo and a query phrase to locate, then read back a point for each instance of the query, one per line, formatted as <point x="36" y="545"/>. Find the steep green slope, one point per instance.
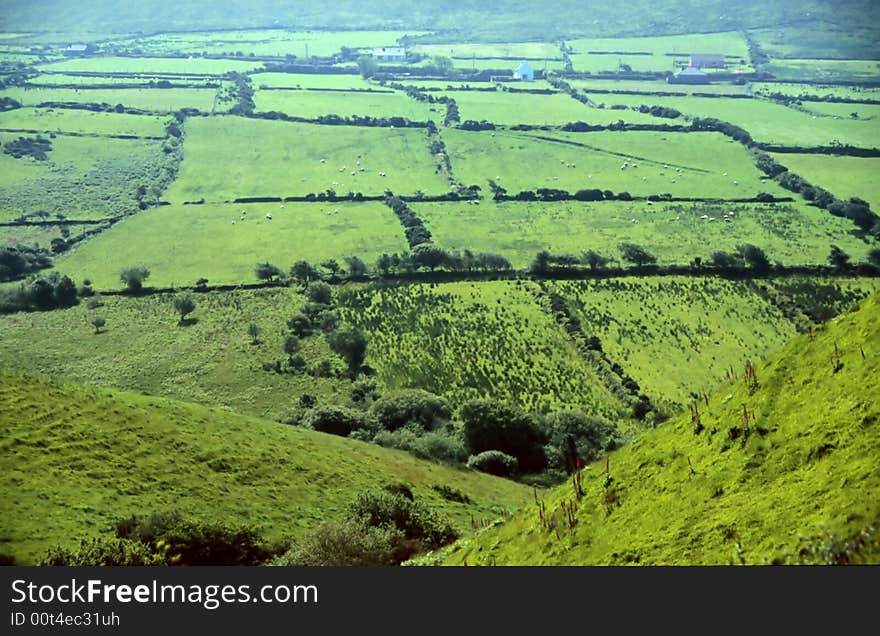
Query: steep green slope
<point x="806" y="470"/>
<point x="74" y="459"/>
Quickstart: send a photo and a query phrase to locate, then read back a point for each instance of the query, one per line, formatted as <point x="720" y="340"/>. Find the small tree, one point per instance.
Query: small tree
<point x="304" y="273"/>
<point x="636" y="254"/>
<point x="98" y="323"/>
<point x="356" y="267"/>
<point x="320" y="292"/>
<point x="755" y="257"/>
<point x="594" y="259"/>
<point x="838" y="258"/>
<point x="332" y="266"/>
<point x="254" y="332"/>
<point x="351" y="344"/>
<point x="184" y="305"/>
<point x="267" y="271"/>
<point x="134" y="278"/>
<point x="292" y="345"/>
<point x="874" y="257"/>
<point x="367" y="66"/>
<point x="300" y="325"/>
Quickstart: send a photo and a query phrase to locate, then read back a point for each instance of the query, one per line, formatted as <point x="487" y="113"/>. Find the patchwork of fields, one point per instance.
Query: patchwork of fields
<point x="276" y="224"/>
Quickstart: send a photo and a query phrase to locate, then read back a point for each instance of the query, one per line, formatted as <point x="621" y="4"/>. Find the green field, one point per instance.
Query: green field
<point x="677" y="335"/>
<point x="845" y="92"/>
<point x="699" y="164"/>
<point x="659" y="48"/>
<point x="180" y="244"/>
<point x="82" y="178"/>
<point x="142" y="348"/>
<point x="262" y="42"/>
<point x="147" y="65"/>
<point x="504" y="108"/>
<point x="314" y="104"/>
<point x="40" y="235"/>
<point x="848" y="70"/>
<point x="109" y="81"/>
<point x="812" y="39"/>
<point x="49" y="120"/>
<point x="767" y="121"/>
<point x="657" y="86"/>
<point x="469" y="340"/>
<point x="291" y="80"/>
<point x="845" y="111"/>
<point x="153" y="99"/>
<point x="806" y="472"/>
<point x="112" y="455"/>
<point x="674" y="233"/>
<point x="223" y="162"/>
<point x="525" y="50"/>
<point x="844" y="176"/>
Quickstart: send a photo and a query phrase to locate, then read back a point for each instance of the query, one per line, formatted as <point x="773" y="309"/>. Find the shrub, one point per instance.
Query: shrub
<point x="489" y="425"/>
<point x="411" y="406"/>
<point x="346" y="543"/>
<point x="185" y="542"/>
<point x="335" y="420"/>
<point x="575" y="437"/>
<point x="416" y="521"/>
<point x="134" y="277"/>
<point x="439" y="445"/>
<point x="493" y="462"/>
<point x="104" y="552"/>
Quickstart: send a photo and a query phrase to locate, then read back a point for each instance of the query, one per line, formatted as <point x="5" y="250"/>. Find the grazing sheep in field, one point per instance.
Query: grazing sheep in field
<point x="353" y="173"/>
<point x="323" y="161"/>
<point x="269" y="216"/>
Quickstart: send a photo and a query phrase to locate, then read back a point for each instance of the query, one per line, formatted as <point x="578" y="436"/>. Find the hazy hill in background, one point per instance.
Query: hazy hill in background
<point x="510" y="19"/>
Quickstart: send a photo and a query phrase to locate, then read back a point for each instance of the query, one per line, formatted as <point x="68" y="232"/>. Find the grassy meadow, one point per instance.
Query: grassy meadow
<point x="62" y="120"/>
<point x="302" y="80"/>
<point x="844" y="176"/>
<point x="149" y="65"/>
<point x="152" y="99"/>
<point x="82" y="178"/>
<point x="503" y="108"/>
<point x="683" y="165"/>
<point x="767" y="121"/>
<point x="223" y="162"/>
<point x="114" y="454"/>
<point x="224" y="242"/>
<point x="676" y="233"/>
<point x="314" y="104"/>
<point x="469" y="340"/>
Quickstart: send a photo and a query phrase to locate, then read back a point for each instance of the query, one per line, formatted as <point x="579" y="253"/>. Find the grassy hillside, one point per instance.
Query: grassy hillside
<point x="74" y="459"/>
<point x="805" y="471"/>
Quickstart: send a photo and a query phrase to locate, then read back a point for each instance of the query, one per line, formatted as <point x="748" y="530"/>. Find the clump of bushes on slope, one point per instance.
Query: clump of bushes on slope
<point x="41" y="293"/>
<point x="382" y="527"/>
<point x="167" y="538"/>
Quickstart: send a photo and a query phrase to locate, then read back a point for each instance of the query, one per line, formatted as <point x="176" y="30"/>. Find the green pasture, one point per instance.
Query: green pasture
<point x="675" y="233"/>
<point x="659" y="48"/>
<point x="303" y="80"/>
<point x="656" y="86"/>
<point x="79" y="459"/>
<point x="846" y="70"/>
<point x="525" y="50"/>
<point x="82" y="178"/>
<point x="62" y="120"/>
<point x="766" y="121"/>
<point x="223" y="243"/>
<point x="211" y="361"/>
<point x="506" y="108"/>
<point x="844" y="176"/>
<point x="813" y="39"/>
<point x="476" y="340"/>
<point x="795" y="90"/>
<point x="313" y="104"/>
<point x="844" y="111"/>
<point x="40" y="235"/>
<point x="683" y="165"/>
<point x="264" y="42"/>
<point x="675" y="336"/>
<point x="194" y="66"/>
<point x="152" y="99"/>
<point x="230" y="157"/>
<point x="47" y="80"/>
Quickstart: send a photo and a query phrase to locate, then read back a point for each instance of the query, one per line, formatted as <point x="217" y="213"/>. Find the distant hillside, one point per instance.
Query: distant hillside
<point x="801" y="483"/>
<point x="75" y="459"/>
<point x="494" y="19"/>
